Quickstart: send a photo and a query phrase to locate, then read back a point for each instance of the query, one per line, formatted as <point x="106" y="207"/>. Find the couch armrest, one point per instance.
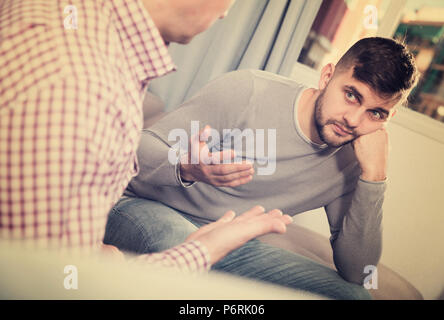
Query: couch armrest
<point x="313" y="245"/>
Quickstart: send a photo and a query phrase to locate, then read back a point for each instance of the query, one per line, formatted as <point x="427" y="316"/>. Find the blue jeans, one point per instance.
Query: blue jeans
<point x="144" y="226"/>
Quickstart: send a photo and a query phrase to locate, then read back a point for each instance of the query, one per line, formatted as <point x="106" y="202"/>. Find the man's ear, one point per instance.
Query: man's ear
<point x="326" y="75"/>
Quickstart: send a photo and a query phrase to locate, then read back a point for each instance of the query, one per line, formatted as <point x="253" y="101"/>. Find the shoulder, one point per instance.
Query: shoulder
<point x="29" y="53"/>
<point x="233" y="79"/>
<point x="247" y="83"/>
<point x="34" y="51"/>
<point x="257" y="75"/>
<point x="235" y="86"/>
<point x="270" y="77"/>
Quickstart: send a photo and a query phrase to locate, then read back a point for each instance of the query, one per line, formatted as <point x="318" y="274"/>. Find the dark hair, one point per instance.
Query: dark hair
<point x="386" y="65"/>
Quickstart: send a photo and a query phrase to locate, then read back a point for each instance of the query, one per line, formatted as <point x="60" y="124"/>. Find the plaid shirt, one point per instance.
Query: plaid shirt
<point x="73" y="78"/>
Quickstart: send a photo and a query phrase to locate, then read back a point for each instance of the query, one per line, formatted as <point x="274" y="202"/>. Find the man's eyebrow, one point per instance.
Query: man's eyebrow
<point x="360" y="98"/>
<point x="356" y="93"/>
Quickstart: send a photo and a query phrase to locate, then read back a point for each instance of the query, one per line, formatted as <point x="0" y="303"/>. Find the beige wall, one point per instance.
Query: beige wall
<point x="414" y="209"/>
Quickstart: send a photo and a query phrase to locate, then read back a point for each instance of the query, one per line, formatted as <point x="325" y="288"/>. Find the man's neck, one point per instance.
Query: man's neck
<point x="306" y="115"/>
<point x="159" y="14"/>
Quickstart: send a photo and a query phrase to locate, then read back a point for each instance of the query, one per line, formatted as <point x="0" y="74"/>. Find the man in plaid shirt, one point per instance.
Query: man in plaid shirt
<point x="73" y="78"/>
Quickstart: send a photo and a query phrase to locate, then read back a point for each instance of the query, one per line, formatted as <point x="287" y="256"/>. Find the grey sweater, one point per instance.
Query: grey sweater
<point x="306" y="175"/>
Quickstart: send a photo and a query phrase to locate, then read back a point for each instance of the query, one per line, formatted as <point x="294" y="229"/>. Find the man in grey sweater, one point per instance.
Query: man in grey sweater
<point x="295" y="148"/>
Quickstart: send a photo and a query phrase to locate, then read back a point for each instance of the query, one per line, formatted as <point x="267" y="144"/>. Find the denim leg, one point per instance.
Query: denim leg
<point x="261" y="261"/>
<point x="143" y="226"/>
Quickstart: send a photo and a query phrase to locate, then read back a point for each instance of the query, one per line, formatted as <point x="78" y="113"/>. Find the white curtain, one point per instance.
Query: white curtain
<point x="256" y="34"/>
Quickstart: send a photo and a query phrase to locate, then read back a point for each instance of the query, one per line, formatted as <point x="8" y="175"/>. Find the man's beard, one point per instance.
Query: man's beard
<point x="321" y="126"/>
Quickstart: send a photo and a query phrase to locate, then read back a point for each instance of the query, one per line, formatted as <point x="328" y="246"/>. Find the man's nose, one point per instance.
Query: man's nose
<point x="354" y="116"/>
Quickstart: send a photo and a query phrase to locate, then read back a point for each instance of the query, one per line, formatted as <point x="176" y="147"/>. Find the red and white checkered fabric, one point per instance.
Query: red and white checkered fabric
<point x="72" y="80"/>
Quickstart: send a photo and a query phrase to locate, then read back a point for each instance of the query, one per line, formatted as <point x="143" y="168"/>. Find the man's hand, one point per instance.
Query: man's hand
<point x="209" y="167"/>
<point x="229" y="233"/>
<point x="112" y="252"/>
<point x="372" y="153"/>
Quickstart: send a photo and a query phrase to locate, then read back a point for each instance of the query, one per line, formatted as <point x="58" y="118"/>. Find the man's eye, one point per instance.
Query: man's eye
<point x="376" y="115"/>
<point x="350" y="96"/>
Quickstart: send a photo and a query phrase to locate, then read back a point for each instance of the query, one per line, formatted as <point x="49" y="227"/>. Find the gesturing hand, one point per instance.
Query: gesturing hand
<point x="113" y="252"/>
<point x="208" y="167"/>
<point x="230" y="232"/>
<point x="372" y="153"/>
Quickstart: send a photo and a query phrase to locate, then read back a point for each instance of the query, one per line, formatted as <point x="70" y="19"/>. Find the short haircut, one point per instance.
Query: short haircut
<point x="386" y="65"/>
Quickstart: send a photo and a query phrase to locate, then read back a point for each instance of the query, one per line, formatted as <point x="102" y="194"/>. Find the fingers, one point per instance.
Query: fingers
<point x="204" y="133"/>
<point x="229" y="175"/>
<point x="231" y="181"/>
<point x="237" y="182"/>
<point x="229" y="233"/>
<point x="279" y="225"/>
<point x="234" y="178"/>
<point x="273" y="221"/>
<point x="227" y="169"/>
<point x="197" y="148"/>
<point x="222" y="156"/>
<point x="112" y="252"/>
<point x="200" y="152"/>
<point x="262" y="223"/>
<point x="212" y="167"/>
<point x="226" y="218"/>
<point x="253" y="212"/>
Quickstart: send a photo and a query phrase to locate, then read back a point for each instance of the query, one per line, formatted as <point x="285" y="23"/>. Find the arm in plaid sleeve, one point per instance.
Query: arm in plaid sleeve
<point x="52" y="169"/>
<point x="189" y="256"/>
<point x="70" y="116"/>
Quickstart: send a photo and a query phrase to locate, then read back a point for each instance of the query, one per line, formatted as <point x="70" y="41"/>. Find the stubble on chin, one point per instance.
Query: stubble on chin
<point x="322" y="126"/>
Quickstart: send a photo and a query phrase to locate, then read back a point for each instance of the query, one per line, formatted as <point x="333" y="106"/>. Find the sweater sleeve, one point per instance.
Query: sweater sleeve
<point x="221" y="104"/>
<point x="356" y="229"/>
